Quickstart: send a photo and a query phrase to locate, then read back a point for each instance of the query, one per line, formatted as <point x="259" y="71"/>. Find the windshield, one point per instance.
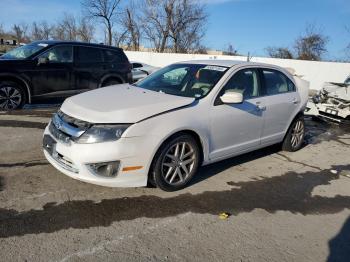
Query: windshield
<point x="23" y="52"/>
<point x="189" y="80"/>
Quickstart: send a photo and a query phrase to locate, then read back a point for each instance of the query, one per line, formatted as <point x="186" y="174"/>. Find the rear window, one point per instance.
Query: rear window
<point x="89" y="54"/>
<point x="111" y="55"/>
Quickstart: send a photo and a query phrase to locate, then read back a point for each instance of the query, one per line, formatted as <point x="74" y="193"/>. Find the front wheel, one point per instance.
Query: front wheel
<point x="294" y="138"/>
<point x="175" y="163"/>
<point x="12" y="96"/>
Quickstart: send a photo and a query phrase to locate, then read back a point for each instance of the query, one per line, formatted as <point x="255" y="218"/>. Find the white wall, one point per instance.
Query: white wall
<point x="315" y="72"/>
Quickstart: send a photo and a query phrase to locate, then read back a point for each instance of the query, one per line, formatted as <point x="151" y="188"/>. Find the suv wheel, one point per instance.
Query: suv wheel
<point x="111" y="82"/>
<point x="175" y="163"/>
<point x="294" y="139"/>
<point x="12" y="96"/>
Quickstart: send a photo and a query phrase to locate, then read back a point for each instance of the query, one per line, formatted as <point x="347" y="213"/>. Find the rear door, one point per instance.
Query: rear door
<point x="280" y="100"/>
<point x="237" y="127"/>
<point x="55" y="76"/>
<point x="88" y="67"/>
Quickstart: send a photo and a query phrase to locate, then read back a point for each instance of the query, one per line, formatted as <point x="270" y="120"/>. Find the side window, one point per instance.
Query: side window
<point x="89" y="55"/>
<point x="110" y="55"/>
<point x="59" y="54"/>
<point x="245" y="82"/>
<point x="276" y="82"/>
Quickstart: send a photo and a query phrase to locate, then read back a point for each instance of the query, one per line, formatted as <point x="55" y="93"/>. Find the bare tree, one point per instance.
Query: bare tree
<point x="105" y="10"/>
<point x="279" y="52"/>
<point x="311" y="45"/>
<point x="1" y="30"/>
<point x="174" y="24"/>
<point x="20" y="32"/>
<point x="156" y="23"/>
<point x="230" y="50"/>
<point x="41" y="31"/>
<point x="130" y="25"/>
<point x="186" y="25"/>
<point x="86" y="30"/>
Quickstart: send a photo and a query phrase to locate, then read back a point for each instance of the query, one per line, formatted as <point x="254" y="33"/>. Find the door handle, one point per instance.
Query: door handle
<point x="295" y="101"/>
<point x="260" y="107"/>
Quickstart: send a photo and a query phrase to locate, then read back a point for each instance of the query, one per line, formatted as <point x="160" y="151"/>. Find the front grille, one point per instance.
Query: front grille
<point x="60" y="136"/>
<point x="66" y="128"/>
<point x="73" y="121"/>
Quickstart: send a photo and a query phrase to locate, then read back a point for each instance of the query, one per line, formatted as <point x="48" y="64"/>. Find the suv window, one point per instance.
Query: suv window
<point x="111" y="55"/>
<point x="276" y="82"/>
<point x="59" y="54"/>
<point x="245" y="82"/>
<point x="89" y="54"/>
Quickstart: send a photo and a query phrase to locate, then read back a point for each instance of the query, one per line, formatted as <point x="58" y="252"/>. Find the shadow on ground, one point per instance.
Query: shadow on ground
<point x="22" y="124"/>
<point x="319" y="131"/>
<point x="339" y="246"/>
<point x="290" y="192"/>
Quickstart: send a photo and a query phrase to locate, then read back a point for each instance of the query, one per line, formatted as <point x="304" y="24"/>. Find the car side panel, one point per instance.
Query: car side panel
<point x="280" y="111"/>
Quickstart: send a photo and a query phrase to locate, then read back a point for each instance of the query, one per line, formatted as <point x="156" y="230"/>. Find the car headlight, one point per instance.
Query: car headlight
<point x="102" y="133"/>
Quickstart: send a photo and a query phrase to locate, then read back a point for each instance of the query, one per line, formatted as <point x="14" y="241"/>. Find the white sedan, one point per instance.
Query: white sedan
<point x="186" y="115"/>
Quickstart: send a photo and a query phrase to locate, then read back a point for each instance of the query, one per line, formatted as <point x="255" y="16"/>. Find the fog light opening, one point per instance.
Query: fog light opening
<point x="108" y="169"/>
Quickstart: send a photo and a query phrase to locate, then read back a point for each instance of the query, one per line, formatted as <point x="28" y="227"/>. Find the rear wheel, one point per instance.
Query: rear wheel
<point x="111" y="82"/>
<point x="175" y="163"/>
<point x="294" y="139"/>
<point x="12" y="96"/>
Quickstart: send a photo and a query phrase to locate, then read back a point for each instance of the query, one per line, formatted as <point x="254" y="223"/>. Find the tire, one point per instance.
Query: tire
<point x="12" y="96"/>
<point x="294" y="138"/>
<point x="110" y="82"/>
<point x="175" y="163"/>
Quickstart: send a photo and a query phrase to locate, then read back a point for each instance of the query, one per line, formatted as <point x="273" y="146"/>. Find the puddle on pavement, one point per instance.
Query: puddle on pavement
<point x="289" y="192"/>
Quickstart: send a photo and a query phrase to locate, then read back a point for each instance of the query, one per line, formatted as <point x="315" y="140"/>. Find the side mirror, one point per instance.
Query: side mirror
<point x="136" y="65"/>
<point x="232" y="98"/>
<point x="43" y="60"/>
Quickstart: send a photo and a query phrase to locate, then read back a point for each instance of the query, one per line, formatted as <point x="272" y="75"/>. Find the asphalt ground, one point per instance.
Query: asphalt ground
<point x="281" y="206"/>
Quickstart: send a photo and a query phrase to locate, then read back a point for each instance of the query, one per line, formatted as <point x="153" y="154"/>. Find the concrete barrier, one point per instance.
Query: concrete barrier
<point x="317" y="73"/>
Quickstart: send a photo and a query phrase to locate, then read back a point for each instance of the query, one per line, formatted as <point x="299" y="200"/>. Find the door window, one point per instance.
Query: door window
<point x="245" y="82"/>
<point x="277" y="83"/>
<point x="59" y="54"/>
<point x="89" y="55"/>
<point x="111" y="55"/>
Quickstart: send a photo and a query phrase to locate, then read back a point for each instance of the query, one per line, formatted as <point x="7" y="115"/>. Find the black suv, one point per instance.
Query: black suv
<point x="58" y="69"/>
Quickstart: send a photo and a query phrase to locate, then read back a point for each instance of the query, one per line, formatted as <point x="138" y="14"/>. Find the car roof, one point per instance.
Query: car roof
<point x="232" y="63"/>
<point x="225" y="63"/>
<point x="56" y="42"/>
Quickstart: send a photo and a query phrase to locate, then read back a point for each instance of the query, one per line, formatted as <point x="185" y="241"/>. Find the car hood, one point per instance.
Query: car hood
<point x="121" y="104"/>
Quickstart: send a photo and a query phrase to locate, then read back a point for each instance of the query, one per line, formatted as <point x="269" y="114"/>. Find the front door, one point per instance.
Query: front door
<point x="54" y="76"/>
<point x="237" y="127"/>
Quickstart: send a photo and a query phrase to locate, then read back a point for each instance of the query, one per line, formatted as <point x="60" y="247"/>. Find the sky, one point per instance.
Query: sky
<point x="249" y="25"/>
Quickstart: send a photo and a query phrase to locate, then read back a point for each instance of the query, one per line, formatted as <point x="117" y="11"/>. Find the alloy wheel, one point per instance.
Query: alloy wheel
<point x="10" y="97"/>
<point x="297" y="134"/>
<point x="178" y="163"/>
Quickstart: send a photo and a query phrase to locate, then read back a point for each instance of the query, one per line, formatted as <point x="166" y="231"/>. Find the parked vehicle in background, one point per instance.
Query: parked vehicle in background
<point x="141" y="70"/>
<point x="185" y="115"/>
<point x="332" y="102"/>
<point x="58" y="69"/>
